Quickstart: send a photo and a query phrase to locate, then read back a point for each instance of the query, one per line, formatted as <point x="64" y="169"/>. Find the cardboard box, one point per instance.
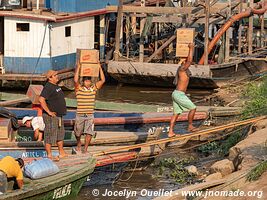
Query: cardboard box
<point x="88" y="56"/>
<point x="185" y="35"/>
<point x="182" y="50"/>
<point x="90" y="70"/>
<point x="5" y="129"/>
<point x="34" y="92"/>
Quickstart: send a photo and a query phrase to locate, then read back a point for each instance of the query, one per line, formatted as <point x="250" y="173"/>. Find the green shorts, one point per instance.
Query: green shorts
<point x="181" y="102"/>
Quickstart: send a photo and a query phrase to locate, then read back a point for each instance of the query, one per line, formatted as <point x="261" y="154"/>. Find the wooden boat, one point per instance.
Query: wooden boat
<point x="101" y="138"/>
<point x="133" y="122"/>
<point x="65" y="184"/>
<point x="203" y="76"/>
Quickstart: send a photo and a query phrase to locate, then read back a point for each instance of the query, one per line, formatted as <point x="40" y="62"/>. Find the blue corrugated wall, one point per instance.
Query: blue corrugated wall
<point x="78" y="5"/>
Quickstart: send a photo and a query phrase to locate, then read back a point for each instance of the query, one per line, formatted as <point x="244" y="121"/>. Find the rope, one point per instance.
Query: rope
<point x="41" y="50"/>
<point x="198" y="133"/>
<point x="135" y="166"/>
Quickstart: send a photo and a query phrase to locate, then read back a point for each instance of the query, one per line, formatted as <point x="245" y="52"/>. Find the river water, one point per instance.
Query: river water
<point x="142" y="185"/>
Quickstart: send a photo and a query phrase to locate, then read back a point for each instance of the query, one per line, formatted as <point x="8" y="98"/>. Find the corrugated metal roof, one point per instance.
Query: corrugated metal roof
<point x="47" y="16"/>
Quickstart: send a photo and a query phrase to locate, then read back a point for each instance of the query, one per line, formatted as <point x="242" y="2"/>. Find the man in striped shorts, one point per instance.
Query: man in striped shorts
<point x="54" y="108"/>
<point x="85" y="95"/>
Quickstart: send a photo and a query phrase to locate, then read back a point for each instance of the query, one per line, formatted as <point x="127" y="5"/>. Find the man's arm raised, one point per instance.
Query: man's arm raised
<point x="102" y="80"/>
<point x="189" y="58"/>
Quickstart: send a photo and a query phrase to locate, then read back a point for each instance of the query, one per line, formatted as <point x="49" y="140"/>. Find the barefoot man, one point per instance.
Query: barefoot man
<point x="85" y="94"/>
<point x="180" y="101"/>
<point x="54" y="108"/>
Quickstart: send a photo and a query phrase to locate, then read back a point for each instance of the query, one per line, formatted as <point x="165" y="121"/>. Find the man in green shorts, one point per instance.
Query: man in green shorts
<point x="180" y="101"/>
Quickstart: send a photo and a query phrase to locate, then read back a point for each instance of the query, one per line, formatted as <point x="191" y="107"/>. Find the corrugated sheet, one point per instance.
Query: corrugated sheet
<point x="79" y="5"/>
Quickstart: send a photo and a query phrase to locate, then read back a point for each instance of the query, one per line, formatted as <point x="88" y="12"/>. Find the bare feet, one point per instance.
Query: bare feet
<point x="192" y="129"/>
<point x="61" y="156"/>
<point x="55" y="159"/>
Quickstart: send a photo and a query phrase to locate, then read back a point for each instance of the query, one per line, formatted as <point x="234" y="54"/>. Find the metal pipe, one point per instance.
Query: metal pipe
<point x="233" y="19"/>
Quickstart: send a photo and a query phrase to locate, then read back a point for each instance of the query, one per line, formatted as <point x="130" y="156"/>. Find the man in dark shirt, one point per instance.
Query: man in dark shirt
<point x="54" y="107"/>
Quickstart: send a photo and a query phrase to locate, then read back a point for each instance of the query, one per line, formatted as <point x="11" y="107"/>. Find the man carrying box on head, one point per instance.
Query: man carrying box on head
<point x="85" y="94"/>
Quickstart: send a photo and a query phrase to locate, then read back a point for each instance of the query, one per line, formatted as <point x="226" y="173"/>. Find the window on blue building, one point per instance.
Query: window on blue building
<point x="23" y="27"/>
<point x="67" y="31"/>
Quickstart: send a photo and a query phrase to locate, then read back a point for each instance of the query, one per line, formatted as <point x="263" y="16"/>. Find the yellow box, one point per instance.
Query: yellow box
<point x="90" y="70"/>
<point x="182" y="50"/>
<point x="185" y="35"/>
<point x="88" y="56"/>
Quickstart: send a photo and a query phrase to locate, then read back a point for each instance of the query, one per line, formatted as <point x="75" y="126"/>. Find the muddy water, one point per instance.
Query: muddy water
<point x="142" y="185"/>
<point x="144" y="95"/>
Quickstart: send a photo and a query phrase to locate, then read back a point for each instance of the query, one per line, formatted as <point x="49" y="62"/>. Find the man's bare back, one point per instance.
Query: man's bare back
<point x="183" y="79"/>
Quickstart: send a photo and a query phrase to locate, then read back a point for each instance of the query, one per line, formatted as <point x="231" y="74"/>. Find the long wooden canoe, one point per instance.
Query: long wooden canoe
<point x="24" y="137"/>
<point x="64" y="185"/>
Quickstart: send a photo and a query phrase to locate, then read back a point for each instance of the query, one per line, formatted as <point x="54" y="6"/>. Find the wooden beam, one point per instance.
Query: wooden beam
<point x="227" y="35"/>
<point x="240" y="28"/>
<point x="142" y="25"/>
<point x="207" y="11"/>
<point x="162" y="47"/>
<point x="250" y="29"/>
<point x="127" y="27"/>
<point x="262" y="31"/>
<point x="151" y="10"/>
<point x="118" y="31"/>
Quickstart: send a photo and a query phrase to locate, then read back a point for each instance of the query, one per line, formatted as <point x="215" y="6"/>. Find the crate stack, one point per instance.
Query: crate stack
<point x="184" y="37"/>
<point x="89" y="62"/>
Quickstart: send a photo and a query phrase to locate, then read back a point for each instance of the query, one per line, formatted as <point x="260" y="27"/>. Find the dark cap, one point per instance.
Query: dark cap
<point x="21" y="162"/>
<point x="85" y="78"/>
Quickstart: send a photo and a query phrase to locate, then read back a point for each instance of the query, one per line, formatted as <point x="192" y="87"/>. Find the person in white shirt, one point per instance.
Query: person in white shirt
<point x="38" y="125"/>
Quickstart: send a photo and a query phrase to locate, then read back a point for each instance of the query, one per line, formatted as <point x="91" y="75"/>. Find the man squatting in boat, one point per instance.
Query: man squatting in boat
<point x="11" y="170"/>
<point x="54" y="108"/>
<point x="180" y="101"/>
<point x="85" y="95"/>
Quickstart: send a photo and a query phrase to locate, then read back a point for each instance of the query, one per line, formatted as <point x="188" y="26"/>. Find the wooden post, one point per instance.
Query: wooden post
<point x="134" y="24"/>
<point x="227" y="36"/>
<point x="118" y="31"/>
<point x="156" y="30"/>
<point x="262" y="31"/>
<point x="240" y="28"/>
<point x="207" y="12"/>
<point x="250" y="29"/>
<point x="102" y="37"/>
<point x="141" y="47"/>
<point x="127" y="26"/>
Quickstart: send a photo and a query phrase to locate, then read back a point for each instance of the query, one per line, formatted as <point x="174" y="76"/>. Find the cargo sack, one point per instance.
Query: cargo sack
<point x="40" y="169"/>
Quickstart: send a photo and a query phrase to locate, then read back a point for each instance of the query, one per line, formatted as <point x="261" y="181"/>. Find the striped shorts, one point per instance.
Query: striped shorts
<point x="54" y="129"/>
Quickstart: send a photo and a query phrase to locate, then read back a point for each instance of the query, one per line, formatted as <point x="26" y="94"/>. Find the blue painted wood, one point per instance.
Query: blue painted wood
<point x="79" y="5"/>
<point x="26" y="65"/>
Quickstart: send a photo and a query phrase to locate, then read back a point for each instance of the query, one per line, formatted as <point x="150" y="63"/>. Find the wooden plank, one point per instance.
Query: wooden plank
<point x="118" y="31"/>
<point x="227" y="35"/>
<point x="15" y="101"/>
<point x="162" y="47"/>
<point x="151" y="10"/>
<point x="240" y="27"/>
<point x="250" y="30"/>
<point x="206" y="43"/>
